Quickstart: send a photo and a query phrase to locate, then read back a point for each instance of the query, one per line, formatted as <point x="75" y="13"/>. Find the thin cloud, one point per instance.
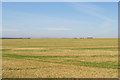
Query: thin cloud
<point x="8" y="29"/>
<point x="93" y="10"/>
<point x="57" y="29"/>
<point x="0" y="28"/>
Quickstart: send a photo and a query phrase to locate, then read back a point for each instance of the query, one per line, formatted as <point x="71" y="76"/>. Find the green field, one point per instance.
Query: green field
<point x="60" y="58"/>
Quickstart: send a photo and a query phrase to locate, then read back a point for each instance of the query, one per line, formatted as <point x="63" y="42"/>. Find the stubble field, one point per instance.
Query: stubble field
<point x="60" y="58"/>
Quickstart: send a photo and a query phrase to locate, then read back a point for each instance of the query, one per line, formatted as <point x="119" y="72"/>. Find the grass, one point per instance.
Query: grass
<point x="60" y="58"/>
<point x="5" y="49"/>
<point x="108" y="64"/>
<point x="14" y="69"/>
<point x="104" y="56"/>
<point x="33" y="50"/>
<point x="28" y="56"/>
<point x="95" y="48"/>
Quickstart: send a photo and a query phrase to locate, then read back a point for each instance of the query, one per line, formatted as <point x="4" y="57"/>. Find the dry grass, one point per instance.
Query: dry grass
<point x="60" y="58"/>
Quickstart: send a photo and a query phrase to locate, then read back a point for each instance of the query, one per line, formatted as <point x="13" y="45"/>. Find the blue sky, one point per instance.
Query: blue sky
<point x="60" y="19"/>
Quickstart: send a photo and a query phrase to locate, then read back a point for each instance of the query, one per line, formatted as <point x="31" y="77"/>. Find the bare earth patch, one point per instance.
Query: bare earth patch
<point x="29" y="48"/>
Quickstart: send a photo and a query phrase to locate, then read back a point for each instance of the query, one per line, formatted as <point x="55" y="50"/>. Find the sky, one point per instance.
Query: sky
<point x="60" y="19"/>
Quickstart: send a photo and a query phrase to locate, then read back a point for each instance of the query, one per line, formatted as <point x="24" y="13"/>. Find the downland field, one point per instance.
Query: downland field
<point x="60" y="58"/>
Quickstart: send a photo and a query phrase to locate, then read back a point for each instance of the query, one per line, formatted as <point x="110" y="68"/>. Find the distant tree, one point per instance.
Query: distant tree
<point x="81" y="38"/>
<point x="75" y="38"/>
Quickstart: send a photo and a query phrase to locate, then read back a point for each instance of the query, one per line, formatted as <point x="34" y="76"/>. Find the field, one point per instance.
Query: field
<point x="60" y="58"/>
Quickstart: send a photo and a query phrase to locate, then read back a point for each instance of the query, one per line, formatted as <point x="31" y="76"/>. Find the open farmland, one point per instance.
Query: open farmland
<point x="60" y="58"/>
